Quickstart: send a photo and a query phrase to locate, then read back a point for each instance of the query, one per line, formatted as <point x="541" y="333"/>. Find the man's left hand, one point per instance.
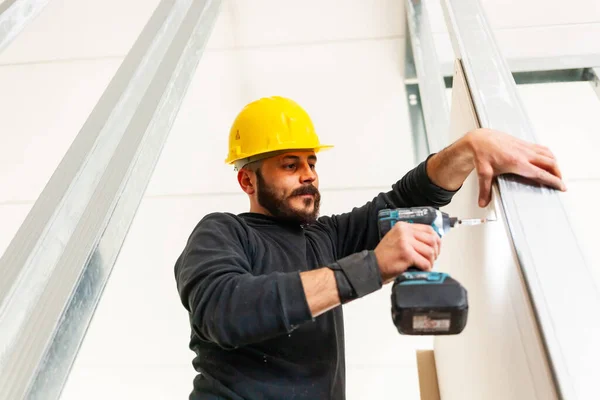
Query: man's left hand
<point x="495" y="153"/>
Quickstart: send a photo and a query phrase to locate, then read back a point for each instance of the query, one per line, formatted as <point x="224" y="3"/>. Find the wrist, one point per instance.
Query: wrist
<point x="450" y="167"/>
<point x="385" y="277"/>
<point x="357" y="275"/>
<point x="468" y="144"/>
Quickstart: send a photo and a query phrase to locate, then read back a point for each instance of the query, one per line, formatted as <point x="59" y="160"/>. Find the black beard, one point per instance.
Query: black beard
<point x="280" y="208"/>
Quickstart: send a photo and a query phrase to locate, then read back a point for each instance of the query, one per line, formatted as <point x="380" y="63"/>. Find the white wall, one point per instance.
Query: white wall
<point x="345" y="69"/>
<point x="531" y="28"/>
<point x="353" y="89"/>
<point x="343" y="63"/>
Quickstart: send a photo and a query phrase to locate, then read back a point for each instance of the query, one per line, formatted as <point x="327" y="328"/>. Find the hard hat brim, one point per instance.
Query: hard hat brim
<point x="260" y="156"/>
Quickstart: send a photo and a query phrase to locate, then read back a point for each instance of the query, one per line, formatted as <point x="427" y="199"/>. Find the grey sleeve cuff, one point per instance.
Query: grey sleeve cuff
<point x="357" y="275"/>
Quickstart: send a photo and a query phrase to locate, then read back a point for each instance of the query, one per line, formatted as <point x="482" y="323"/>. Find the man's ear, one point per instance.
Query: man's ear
<point x="245" y="180"/>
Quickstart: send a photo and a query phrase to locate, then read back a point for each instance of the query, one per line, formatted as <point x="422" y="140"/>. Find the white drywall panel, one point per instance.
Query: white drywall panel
<point x="505" y="14"/>
<point x="509" y="14"/>
<point x="72" y="29"/>
<point x="43" y="107"/>
<point x="535" y="43"/>
<point x="354" y="93"/>
<point x="382" y="383"/>
<point x="565" y="117"/>
<point x="371" y="337"/>
<point x="499" y="355"/>
<point x="11" y="217"/>
<point x="163" y="383"/>
<point x="129" y="382"/>
<point x="580" y="203"/>
<point x="276" y="22"/>
<point x="140" y="309"/>
<point x="530" y="29"/>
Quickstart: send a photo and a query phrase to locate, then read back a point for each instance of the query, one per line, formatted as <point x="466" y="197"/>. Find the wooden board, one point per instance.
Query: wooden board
<point x="428" y="382"/>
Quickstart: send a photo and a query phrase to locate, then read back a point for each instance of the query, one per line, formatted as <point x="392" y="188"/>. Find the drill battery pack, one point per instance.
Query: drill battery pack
<point x="428" y="303"/>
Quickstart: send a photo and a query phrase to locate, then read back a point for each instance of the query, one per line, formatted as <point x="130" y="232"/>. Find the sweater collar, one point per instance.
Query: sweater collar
<point x="258" y="219"/>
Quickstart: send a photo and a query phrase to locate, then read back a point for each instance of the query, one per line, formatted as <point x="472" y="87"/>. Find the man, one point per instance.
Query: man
<point x="263" y="288"/>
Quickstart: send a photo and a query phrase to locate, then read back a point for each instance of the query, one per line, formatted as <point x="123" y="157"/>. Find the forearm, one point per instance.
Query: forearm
<point x="240" y="310"/>
<point x="320" y="289"/>
<point x="232" y="308"/>
<point x="450" y="167"/>
<point x="340" y="282"/>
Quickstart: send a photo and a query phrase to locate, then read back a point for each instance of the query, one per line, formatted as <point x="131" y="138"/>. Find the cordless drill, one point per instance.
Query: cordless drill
<point x="426" y="303"/>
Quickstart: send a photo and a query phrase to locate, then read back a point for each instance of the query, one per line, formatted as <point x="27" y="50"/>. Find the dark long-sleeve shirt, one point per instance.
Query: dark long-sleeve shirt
<point x="251" y="327"/>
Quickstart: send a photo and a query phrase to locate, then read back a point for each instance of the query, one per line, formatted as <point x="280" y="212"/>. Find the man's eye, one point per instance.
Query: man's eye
<point x="290" y="166"/>
<point x="313" y="166"/>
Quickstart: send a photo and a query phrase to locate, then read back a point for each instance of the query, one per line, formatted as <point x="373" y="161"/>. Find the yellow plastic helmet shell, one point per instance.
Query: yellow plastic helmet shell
<point x="268" y="125"/>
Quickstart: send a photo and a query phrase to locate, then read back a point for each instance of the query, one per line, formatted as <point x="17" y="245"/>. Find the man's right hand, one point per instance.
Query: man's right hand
<point x="404" y="246"/>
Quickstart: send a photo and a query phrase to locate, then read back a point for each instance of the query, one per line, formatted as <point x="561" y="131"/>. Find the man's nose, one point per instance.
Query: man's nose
<point x="307" y="174"/>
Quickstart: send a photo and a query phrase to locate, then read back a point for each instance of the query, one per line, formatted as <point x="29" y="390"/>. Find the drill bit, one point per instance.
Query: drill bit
<point x="474" y="221"/>
<point x="453" y="221"/>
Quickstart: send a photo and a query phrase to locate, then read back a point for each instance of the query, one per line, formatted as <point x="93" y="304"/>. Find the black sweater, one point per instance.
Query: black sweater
<point x="251" y="328"/>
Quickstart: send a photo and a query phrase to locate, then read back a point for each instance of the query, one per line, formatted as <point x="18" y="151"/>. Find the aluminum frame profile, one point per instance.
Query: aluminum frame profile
<point x="54" y="270"/>
<point x="536" y="216"/>
<point x="526" y="64"/>
<point x="594" y="78"/>
<point x="14" y="15"/>
<point x="413" y="99"/>
<point x="430" y="81"/>
<point x="551" y="76"/>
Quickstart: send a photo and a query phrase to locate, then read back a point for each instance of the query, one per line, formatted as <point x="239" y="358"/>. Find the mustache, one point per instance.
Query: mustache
<point x="308" y="189"/>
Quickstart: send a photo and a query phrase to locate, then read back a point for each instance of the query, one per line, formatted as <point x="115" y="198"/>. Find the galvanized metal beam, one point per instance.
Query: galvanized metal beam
<point x="533" y="64"/>
<point x="560" y="284"/>
<point x="14" y="15"/>
<point x="431" y="86"/>
<point x="549" y="76"/>
<point x="53" y="272"/>
<point x="594" y="78"/>
<point x="415" y="108"/>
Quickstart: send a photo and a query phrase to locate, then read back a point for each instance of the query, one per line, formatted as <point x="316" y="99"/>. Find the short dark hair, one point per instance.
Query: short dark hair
<point x="254" y="166"/>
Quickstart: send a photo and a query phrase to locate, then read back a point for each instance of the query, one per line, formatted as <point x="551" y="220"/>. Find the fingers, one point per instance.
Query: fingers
<point x="426" y="251"/>
<point x="430" y="239"/>
<point x="423" y="228"/>
<point x="543" y="177"/>
<point x="546" y="178"/>
<point x="485" y="187"/>
<point x="543" y="150"/>
<point x="423" y="262"/>
<point x="547" y="163"/>
<point x="498" y="153"/>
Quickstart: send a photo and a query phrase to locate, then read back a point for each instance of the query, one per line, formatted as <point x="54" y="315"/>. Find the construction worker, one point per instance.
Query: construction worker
<point x="263" y="288"/>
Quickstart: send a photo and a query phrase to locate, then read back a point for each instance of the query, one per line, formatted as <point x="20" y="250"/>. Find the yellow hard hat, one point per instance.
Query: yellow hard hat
<point x="269" y="125"/>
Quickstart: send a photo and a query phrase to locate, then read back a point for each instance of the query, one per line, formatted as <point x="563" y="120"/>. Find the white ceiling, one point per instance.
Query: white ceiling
<point x="72" y="29"/>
